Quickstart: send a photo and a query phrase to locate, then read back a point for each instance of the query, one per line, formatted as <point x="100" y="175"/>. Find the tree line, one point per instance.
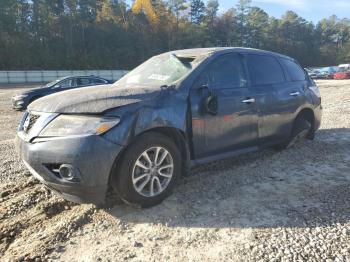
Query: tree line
<point x="111" y="34"/>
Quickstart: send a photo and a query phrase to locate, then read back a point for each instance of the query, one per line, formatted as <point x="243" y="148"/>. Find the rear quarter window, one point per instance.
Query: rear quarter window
<point x="264" y="70"/>
<point x="295" y="72"/>
<point x="99" y="81"/>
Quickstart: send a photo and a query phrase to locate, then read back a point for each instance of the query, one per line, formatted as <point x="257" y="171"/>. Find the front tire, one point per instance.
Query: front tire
<point x="148" y="170"/>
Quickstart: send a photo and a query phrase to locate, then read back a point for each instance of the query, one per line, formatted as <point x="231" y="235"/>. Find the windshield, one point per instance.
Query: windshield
<point x="161" y="70"/>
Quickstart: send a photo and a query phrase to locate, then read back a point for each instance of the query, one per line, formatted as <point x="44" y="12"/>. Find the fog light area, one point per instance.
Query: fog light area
<point x="64" y="171"/>
<point x="67" y="172"/>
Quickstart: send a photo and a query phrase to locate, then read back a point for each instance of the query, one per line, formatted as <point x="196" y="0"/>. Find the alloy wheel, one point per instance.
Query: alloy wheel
<point x="152" y="171"/>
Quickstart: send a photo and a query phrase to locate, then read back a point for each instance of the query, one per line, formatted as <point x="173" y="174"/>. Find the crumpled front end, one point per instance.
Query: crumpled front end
<point x="76" y="167"/>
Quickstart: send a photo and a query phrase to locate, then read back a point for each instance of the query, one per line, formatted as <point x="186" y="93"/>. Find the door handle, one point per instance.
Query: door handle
<point x="294" y="94"/>
<point x="249" y="101"/>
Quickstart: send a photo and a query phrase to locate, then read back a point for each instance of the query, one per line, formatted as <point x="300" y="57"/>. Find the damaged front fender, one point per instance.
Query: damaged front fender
<point x="168" y="110"/>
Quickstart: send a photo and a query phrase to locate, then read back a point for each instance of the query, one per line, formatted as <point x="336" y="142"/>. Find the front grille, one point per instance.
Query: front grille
<point x="32" y="120"/>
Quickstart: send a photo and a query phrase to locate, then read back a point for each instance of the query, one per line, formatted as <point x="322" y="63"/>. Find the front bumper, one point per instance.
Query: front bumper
<point x="92" y="156"/>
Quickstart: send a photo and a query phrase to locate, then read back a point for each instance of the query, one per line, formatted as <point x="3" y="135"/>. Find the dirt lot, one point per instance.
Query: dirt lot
<point x="292" y="205"/>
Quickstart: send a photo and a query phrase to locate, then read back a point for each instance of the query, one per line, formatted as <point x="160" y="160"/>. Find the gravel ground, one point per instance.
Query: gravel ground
<point x="292" y="205"/>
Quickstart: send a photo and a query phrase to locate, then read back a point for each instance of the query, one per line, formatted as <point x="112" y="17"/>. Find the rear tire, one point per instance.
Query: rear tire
<point x="302" y="129"/>
<point x="148" y="170"/>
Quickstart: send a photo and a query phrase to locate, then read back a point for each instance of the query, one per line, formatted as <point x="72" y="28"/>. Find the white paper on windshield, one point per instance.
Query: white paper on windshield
<point x="158" y="77"/>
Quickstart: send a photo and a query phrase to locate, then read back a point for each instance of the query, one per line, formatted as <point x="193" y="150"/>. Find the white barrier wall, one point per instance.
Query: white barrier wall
<point x="8" y="77"/>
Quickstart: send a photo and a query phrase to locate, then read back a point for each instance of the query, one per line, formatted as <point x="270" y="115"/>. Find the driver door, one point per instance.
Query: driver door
<point x="234" y="125"/>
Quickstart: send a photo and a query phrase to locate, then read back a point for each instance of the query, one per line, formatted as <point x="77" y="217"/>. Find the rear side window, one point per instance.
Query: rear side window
<point x="227" y="71"/>
<point x="83" y="81"/>
<point x="99" y="81"/>
<point x="264" y="70"/>
<point x="295" y="72"/>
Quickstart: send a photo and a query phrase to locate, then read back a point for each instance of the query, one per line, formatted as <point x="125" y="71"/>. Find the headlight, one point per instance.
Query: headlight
<point x="19" y="97"/>
<point x="69" y="125"/>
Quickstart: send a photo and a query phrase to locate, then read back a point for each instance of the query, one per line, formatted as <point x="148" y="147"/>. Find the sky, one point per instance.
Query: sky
<point x="311" y="10"/>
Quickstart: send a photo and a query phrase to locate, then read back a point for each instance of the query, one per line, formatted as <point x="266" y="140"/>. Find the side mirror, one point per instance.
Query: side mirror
<point x="210" y="104"/>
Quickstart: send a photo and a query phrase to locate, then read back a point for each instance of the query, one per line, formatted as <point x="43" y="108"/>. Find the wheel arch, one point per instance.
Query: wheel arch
<point x="178" y="136"/>
<point x="180" y="139"/>
<point x="307" y="113"/>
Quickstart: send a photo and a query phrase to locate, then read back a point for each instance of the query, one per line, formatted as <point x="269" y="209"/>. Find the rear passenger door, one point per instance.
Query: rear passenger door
<point x="275" y="102"/>
<point x="83" y="81"/>
<point x="292" y="93"/>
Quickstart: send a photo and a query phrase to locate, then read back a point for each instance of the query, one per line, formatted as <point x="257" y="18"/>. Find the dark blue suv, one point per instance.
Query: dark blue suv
<point x="176" y="110"/>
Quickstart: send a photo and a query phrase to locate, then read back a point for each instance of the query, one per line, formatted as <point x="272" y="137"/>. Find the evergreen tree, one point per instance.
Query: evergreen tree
<point x="93" y="34"/>
<point x="257" y="27"/>
<point x="197" y="11"/>
<point x="243" y="8"/>
<point x="211" y="11"/>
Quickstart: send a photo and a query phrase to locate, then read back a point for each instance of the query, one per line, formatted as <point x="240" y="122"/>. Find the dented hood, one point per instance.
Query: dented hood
<point x="94" y="100"/>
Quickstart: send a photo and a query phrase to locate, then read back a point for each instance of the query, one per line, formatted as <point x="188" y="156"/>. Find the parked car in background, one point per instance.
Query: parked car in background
<point x="327" y="72"/>
<point x="342" y="74"/>
<point x="312" y="72"/>
<point x="346" y="67"/>
<point x="21" y="101"/>
<point x="176" y="110"/>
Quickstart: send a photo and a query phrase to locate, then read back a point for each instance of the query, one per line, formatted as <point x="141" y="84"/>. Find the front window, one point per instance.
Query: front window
<point x="66" y="83"/>
<point x="53" y="83"/>
<point x="161" y="70"/>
